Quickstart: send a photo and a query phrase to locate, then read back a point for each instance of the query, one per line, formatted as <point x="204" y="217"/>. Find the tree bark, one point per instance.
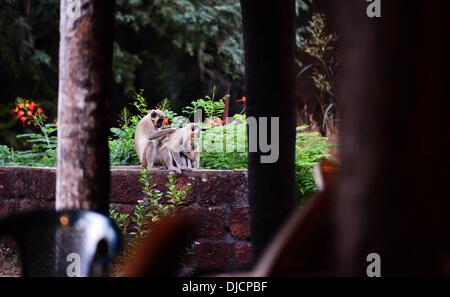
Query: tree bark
<point x="269" y="41"/>
<point x="84" y="103"/>
<point x="393" y="196"/>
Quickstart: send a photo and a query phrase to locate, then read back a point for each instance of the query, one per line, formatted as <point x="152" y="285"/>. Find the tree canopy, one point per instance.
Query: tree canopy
<point x="171" y="48"/>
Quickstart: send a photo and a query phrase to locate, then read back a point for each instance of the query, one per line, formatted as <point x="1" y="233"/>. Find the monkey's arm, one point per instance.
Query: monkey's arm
<point x="161" y="133"/>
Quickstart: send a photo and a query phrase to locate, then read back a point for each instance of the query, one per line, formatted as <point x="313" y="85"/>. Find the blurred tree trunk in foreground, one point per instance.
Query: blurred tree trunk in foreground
<point x="393" y="196"/>
<point x="84" y="100"/>
<point x="269" y="43"/>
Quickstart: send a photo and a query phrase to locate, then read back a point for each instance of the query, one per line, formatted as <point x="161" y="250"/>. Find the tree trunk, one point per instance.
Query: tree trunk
<point x="269" y="41"/>
<point x="84" y="102"/>
<point x="393" y="196"/>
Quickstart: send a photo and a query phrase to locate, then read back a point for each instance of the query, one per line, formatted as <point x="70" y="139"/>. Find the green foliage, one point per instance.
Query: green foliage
<point x="209" y="105"/>
<point x="27" y="61"/>
<point x="20" y="58"/>
<point x="44" y="140"/>
<point x="319" y="44"/>
<point x="155" y="205"/>
<point x="5" y="155"/>
<point x="140" y="103"/>
<point x="224" y="147"/>
<point x="175" y="194"/>
<point x="42" y="153"/>
<point x="209" y="30"/>
<point x="121" y="143"/>
<point x="125" y="65"/>
<point x="121" y="220"/>
<point x="311" y="147"/>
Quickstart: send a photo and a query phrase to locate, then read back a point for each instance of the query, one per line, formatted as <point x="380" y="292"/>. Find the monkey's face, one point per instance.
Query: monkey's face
<point x="157" y="117"/>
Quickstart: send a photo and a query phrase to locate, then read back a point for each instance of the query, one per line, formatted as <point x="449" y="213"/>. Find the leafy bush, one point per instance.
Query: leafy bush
<point x="155" y="205"/>
<point x="209" y="105"/>
<point x="42" y="152"/>
<point x="121" y="220"/>
<point x="224" y="147"/>
<point x="311" y="147"/>
<point x="121" y="143"/>
<point x="43" y="141"/>
<point x="4" y="155"/>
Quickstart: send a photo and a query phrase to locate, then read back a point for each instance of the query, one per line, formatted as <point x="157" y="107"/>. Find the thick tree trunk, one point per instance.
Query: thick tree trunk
<point x="269" y="40"/>
<point x="393" y="196"/>
<point x="84" y="101"/>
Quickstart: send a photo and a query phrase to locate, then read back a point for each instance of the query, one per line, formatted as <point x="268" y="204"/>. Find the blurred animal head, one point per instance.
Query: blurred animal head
<point x="157" y="117"/>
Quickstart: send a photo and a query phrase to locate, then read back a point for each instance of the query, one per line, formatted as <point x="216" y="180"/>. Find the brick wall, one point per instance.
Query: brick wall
<point x="217" y="198"/>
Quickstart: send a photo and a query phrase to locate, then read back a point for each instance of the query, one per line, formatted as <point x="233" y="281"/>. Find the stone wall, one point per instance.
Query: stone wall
<point x="217" y="198"/>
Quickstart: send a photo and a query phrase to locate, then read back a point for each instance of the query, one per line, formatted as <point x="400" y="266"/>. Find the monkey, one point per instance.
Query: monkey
<point x="148" y="132"/>
<point x="179" y="150"/>
<point x="191" y="159"/>
<point x="191" y="154"/>
<point x="186" y="161"/>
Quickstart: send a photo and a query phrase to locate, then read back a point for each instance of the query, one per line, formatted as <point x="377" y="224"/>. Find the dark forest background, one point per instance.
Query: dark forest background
<point x="171" y="49"/>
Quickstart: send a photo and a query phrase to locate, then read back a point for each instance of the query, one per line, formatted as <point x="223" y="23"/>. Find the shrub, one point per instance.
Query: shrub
<point x="4" y="155"/>
<point x="208" y="105"/>
<point x="155" y="205"/>
<point x="311" y="147"/>
<point x="224" y="147"/>
<point x="43" y="141"/>
<point x="121" y="142"/>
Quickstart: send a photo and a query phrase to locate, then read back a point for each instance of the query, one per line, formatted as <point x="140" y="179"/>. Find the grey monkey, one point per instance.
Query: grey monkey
<point x="179" y="150"/>
<point x="146" y="136"/>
